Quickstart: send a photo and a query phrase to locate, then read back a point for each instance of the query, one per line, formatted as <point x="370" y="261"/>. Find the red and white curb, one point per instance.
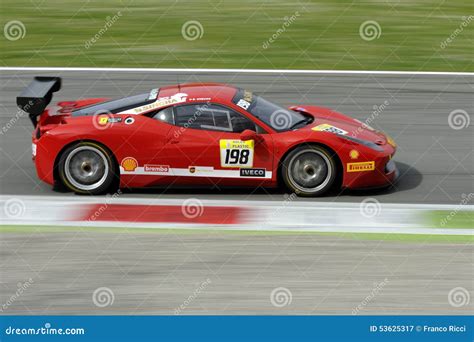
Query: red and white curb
<point x="369" y="216"/>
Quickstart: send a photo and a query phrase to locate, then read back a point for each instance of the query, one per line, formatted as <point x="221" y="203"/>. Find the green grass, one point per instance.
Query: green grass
<point x="418" y="238"/>
<point x="325" y="35"/>
<point x="452" y="219"/>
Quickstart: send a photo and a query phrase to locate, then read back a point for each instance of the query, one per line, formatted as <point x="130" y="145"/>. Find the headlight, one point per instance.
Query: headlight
<point x="391" y="141"/>
<point x="369" y="144"/>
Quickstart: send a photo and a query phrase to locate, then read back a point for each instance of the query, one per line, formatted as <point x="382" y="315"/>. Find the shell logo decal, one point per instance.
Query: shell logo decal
<point x="129" y="164"/>
<point x="354" y="154"/>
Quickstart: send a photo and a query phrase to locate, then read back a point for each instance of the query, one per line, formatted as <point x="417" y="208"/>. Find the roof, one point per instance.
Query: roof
<point x="144" y="103"/>
<point x="201" y="91"/>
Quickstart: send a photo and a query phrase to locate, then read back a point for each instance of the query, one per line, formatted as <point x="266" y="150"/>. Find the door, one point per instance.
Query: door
<point x="206" y="143"/>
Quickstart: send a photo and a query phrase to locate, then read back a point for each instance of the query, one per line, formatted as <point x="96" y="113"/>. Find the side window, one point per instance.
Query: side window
<point x="165" y="115"/>
<point x="212" y="117"/>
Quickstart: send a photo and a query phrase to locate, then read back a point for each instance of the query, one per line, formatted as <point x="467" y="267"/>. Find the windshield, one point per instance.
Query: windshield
<point x="279" y="118"/>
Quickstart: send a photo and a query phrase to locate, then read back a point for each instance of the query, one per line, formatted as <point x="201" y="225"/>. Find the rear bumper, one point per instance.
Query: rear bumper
<point x="43" y="157"/>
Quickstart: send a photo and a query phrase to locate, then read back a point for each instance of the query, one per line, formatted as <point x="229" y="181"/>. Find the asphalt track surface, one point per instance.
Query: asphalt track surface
<point x="155" y="273"/>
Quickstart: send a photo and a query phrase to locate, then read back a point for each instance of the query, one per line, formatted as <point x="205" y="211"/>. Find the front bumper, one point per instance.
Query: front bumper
<point x="385" y="174"/>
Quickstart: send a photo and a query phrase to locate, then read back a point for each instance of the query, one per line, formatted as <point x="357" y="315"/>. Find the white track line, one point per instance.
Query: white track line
<point x="245" y="71"/>
<point x="299" y="202"/>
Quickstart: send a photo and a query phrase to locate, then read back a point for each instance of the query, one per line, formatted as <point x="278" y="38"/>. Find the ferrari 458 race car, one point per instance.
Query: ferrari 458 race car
<point x="200" y="134"/>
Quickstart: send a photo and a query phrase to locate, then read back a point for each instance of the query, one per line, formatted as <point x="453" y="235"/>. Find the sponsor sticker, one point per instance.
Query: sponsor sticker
<point x="129" y="164"/>
<point x="160" y="102"/>
<point x="200" y="169"/>
<point x="103" y="120"/>
<point x="252" y="172"/>
<point x="248" y="96"/>
<point x="361" y="167"/>
<point x="236" y="153"/>
<point x="354" y="154"/>
<point x="156" y="168"/>
<point x="243" y="104"/>
<point x="153" y="94"/>
<point x="329" y="128"/>
<point x="114" y="120"/>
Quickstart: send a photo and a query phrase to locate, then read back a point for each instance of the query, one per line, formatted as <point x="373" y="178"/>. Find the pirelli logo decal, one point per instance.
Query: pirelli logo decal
<point x="360" y="167"/>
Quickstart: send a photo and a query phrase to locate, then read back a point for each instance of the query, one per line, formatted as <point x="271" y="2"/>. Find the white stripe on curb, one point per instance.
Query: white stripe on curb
<point x="299" y="202"/>
<point x="245" y="71"/>
<point x="263" y="216"/>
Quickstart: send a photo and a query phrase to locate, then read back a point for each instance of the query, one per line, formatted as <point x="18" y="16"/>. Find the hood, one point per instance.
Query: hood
<point x="328" y="120"/>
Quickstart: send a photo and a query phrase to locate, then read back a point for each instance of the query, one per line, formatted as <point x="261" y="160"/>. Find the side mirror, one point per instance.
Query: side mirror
<point x="250" y="135"/>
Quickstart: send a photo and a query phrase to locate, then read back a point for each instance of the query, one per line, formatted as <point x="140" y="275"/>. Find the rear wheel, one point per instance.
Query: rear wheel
<point x="87" y="168"/>
<point x="309" y="170"/>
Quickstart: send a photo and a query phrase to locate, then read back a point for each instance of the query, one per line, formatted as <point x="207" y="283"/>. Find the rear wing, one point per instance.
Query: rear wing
<point x="34" y="98"/>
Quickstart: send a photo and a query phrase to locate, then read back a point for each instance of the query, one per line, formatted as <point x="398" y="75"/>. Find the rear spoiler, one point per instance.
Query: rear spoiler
<point x="34" y="98"/>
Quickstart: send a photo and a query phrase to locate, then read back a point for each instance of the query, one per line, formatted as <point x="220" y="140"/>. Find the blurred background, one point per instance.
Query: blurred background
<point x="431" y="35"/>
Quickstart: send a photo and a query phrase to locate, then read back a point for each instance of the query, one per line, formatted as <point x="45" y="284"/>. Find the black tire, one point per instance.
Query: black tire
<point x="87" y="168"/>
<point x="309" y="171"/>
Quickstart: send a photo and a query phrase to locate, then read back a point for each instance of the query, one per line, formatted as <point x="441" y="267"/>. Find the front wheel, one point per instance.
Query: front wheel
<point x="87" y="168"/>
<point x="309" y="170"/>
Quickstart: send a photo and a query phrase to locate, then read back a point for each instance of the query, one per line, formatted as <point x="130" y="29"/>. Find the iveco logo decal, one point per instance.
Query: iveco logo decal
<point x="252" y="172"/>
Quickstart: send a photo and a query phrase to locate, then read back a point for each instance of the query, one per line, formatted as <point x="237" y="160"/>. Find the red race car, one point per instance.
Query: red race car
<point x="200" y="134"/>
